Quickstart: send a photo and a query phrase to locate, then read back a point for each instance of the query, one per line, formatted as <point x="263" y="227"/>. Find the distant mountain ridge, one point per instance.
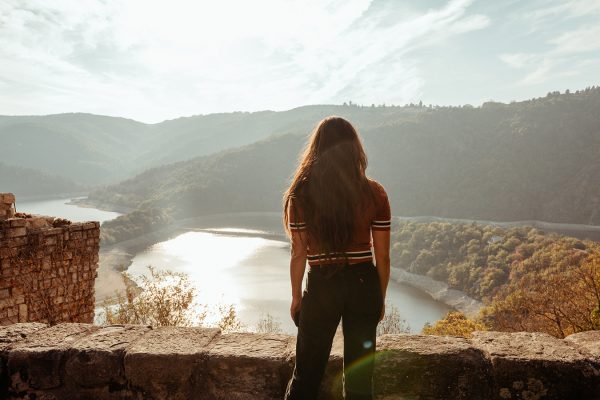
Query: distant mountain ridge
<point x="536" y="159"/>
<point x="31" y="182"/>
<point x="93" y="149"/>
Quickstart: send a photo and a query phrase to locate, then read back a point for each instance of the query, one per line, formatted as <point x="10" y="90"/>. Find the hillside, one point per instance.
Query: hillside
<point x="85" y="148"/>
<point x="526" y="278"/>
<point x="31" y="182"/>
<point x="94" y="149"/>
<point x="536" y="159"/>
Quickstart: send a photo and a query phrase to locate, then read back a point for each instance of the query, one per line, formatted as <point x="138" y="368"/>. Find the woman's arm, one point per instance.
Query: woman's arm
<point x="381" y="246"/>
<point x="297" y="267"/>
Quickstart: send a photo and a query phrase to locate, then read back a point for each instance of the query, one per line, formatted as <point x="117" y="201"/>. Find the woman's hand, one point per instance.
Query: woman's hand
<point x="382" y="312"/>
<point x="295" y="307"/>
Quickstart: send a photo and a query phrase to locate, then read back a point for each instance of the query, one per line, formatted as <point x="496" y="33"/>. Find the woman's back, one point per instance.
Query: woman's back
<point x="375" y="215"/>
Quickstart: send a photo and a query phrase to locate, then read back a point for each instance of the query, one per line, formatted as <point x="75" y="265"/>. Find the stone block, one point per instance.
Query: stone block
<point x="170" y="362"/>
<point x="96" y="360"/>
<point x="430" y="367"/>
<point x="18" y="241"/>
<point x="17" y="222"/>
<point x="37" y="223"/>
<point x="15" y="332"/>
<point x="537" y="365"/>
<point x="22" y="312"/>
<point x="248" y="366"/>
<point x="89" y="225"/>
<point x="16" y="232"/>
<point x="52" y="232"/>
<point x="8" y="198"/>
<point x="35" y="363"/>
<point x="587" y="342"/>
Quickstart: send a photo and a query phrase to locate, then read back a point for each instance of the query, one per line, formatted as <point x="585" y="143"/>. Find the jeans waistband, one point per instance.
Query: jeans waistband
<point x="332" y="269"/>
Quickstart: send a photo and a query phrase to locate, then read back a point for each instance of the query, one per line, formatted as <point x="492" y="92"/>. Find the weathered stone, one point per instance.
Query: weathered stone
<point x="35" y="362"/>
<point x="96" y="360"/>
<point x="586" y="341"/>
<point x="248" y="366"/>
<point x="16" y="232"/>
<point x="183" y="348"/>
<point x="430" y="367"/>
<point x="32" y="251"/>
<point x="17" y="222"/>
<point x="79" y="361"/>
<point x="15" y="332"/>
<point x="8" y="198"/>
<point x="37" y="223"/>
<point x="530" y="364"/>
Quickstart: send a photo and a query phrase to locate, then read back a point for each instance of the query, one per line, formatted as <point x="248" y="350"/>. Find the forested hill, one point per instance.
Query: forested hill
<point x="32" y="182"/>
<point x="537" y="159"/>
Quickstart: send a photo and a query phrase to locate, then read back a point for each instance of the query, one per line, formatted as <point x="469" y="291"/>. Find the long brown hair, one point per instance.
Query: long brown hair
<point x="330" y="185"/>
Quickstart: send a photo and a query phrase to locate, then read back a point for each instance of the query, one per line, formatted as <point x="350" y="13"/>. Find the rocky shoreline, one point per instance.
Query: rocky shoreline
<point x="439" y="291"/>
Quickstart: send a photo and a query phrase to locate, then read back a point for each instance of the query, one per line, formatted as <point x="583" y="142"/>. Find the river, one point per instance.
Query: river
<point x="255" y="277"/>
<point x="237" y="264"/>
<point x="61" y="208"/>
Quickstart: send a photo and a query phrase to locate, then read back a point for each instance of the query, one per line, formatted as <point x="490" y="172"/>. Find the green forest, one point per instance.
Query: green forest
<point x="527" y="279"/>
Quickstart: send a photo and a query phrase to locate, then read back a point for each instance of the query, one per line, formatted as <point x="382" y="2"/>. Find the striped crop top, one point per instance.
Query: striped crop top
<point x="375" y="217"/>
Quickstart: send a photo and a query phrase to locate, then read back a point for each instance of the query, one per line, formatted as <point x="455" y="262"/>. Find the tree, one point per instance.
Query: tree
<point x="267" y="324"/>
<point x="559" y="301"/>
<point x="164" y="298"/>
<point x="229" y="321"/>
<point x="455" y="323"/>
<point x="392" y="322"/>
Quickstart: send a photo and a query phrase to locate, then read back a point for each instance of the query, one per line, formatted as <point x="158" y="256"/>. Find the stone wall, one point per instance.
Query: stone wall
<point x="7" y="205"/>
<point x="84" y="361"/>
<point x="47" y="267"/>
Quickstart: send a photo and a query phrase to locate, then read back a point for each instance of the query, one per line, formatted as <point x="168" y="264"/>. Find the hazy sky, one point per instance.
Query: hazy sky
<point x="152" y="60"/>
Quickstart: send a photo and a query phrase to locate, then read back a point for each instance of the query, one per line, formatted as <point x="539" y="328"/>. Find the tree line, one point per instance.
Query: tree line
<point x="527" y="279"/>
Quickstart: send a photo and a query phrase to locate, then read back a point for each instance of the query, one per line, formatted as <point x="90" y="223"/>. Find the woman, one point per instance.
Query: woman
<point x="330" y="212"/>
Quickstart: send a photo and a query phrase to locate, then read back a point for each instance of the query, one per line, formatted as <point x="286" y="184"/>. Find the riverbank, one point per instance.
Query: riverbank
<point x="83" y="202"/>
<point x="438" y="290"/>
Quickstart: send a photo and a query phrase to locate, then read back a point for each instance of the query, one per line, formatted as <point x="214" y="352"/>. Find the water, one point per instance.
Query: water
<point x="233" y="264"/>
<point x="60" y="208"/>
<point x="255" y="277"/>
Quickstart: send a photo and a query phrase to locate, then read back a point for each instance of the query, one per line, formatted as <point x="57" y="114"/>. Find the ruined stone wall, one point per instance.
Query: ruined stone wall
<point x="84" y="361"/>
<point x="47" y="267"/>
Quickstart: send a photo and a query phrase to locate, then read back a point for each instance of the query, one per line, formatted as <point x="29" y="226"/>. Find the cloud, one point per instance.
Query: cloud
<point x="156" y="60"/>
<point x="577" y="41"/>
<point x="553" y="10"/>
<point x="568" y="48"/>
<point x="517" y="60"/>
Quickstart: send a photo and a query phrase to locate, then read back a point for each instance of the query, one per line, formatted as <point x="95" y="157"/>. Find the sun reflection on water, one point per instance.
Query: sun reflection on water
<point x="216" y="265"/>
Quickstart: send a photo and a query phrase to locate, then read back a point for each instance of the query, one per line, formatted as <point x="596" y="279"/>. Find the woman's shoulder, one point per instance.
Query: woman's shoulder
<point x="378" y="187"/>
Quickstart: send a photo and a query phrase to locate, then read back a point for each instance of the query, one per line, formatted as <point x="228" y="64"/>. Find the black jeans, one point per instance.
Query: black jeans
<point x="352" y="293"/>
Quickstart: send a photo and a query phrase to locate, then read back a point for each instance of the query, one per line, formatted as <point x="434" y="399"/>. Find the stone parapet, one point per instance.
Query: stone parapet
<point x="84" y="361"/>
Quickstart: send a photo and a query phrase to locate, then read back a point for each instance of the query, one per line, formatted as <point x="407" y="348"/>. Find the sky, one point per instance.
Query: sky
<point x="152" y="60"/>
